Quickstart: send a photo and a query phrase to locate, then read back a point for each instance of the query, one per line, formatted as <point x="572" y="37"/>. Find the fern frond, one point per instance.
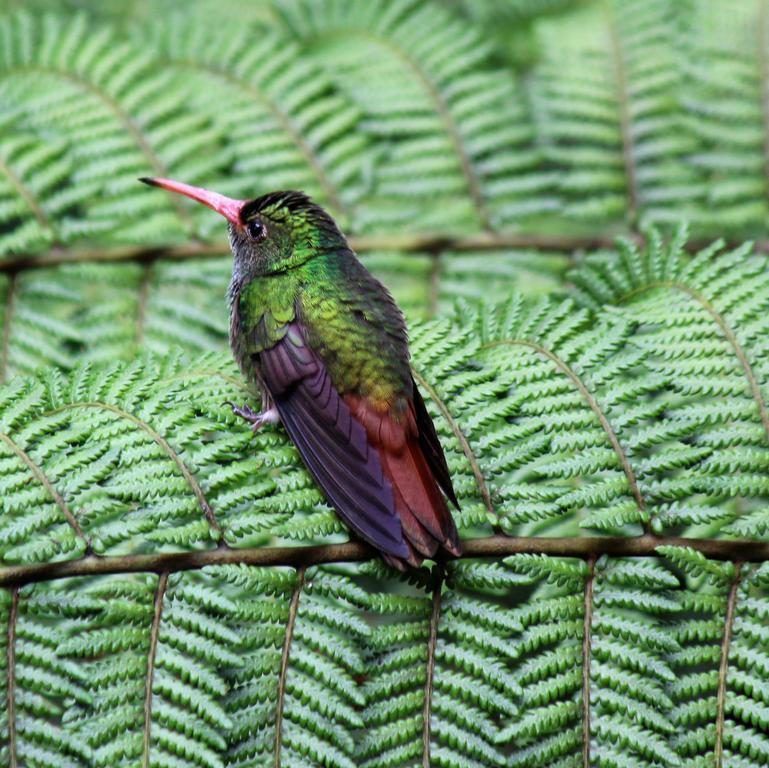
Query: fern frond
<point x="722" y="668"/>
<point x="723" y="110"/>
<point x="119" y="115"/>
<point x="149" y="452"/>
<point x="286" y="128"/>
<point x="703" y="322"/>
<point x="605" y="97"/>
<point x="455" y="129"/>
<point x="562" y="417"/>
<point x="580" y="692"/>
<point x="107" y="457"/>
<point x="30" y="209"/>
<point x="7" y="610"/>
<point x="103" y="312"/>
<point x="451" y="649"/>
<point x="45" y="681"/>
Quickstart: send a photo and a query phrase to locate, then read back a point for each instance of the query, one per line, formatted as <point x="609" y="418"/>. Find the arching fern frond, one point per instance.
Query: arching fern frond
<point x="560" y="453"/>
<point x="703" y="323"/>
<point x="724" y="109"/>
<point x="106" y="457"/>
<point x="286" y="127"/>
<point x="38" y="325"/>
<point x="30" y="208"/>
<point x="458" y="146"/>
<point x="604" y="99"/>
<point x="143" y="452"/>
<point x="120" y="115"/>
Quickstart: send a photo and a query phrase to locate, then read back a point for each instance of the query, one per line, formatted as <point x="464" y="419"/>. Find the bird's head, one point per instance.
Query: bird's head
<point x="272" y="233"/>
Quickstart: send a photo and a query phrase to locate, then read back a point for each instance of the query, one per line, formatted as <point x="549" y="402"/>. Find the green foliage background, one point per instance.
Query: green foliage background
<point x="483" y="157"/>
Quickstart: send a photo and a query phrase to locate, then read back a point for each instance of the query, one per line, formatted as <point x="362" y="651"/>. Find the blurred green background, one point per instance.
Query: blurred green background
<point x="509" y="138"/>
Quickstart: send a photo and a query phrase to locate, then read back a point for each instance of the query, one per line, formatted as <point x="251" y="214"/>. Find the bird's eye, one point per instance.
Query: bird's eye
<point x="256" y="229"/>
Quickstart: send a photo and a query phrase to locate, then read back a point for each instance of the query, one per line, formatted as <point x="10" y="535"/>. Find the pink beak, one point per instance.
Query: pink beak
<point x="226" y="206"/>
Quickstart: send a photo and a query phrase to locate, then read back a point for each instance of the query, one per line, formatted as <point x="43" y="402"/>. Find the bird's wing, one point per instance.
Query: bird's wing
<point x="431" y="447"/>
<point x="332" y="443"/>
<point x="425" y="519"/>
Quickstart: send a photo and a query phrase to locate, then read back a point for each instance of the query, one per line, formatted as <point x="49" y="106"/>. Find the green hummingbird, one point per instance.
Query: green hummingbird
<point x="327" y="346"/>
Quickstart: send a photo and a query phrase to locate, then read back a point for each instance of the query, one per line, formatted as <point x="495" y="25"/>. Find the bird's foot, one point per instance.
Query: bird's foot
<point x="256" y="420"/>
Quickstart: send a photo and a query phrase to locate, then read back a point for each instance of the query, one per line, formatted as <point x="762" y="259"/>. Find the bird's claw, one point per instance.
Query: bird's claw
<point x="244" y="411"/>
<point x="256" y="420"/>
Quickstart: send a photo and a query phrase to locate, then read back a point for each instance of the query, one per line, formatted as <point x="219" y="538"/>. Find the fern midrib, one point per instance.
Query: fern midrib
<point x="432" y="642"/>
<point x="498" y="546"/>
<point x="464" y="443"/>
<point x="13" y="616"/>
<point x="26" y="194"/>
<point x="762" y="27"/>
<point x="723" y="670"/>
<point x="148" y="271"/>
<point x="10" y="302"/>
<point x="626" y="126"/>
<point x="436" y="273"/>
<point x="160" y="593"/>
<point x="293" y="610"/>
<point x="587" y="629"/>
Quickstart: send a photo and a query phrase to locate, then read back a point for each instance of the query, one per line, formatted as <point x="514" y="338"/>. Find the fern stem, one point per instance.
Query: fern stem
<point x="467" y="449"/>
<point x="432" y="642"/>
<point x="587" y="630"/>
<point x="42" y="478"/>
<point x="405" y="243"/>
<point x="151" y="655"/>
<point x="597" y="410"/>
<point x="626" y="127"/>
<point x="731" y="604"/>
<point x="490" y="546"/>
<point x="293" y="609"/>
<point x="13" y="617"/>
<point x="10" y="300"/>
<point x="167" y="448"/>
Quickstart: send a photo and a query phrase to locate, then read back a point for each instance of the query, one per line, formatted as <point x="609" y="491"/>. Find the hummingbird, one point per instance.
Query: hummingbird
<point x="327" y="346"/>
